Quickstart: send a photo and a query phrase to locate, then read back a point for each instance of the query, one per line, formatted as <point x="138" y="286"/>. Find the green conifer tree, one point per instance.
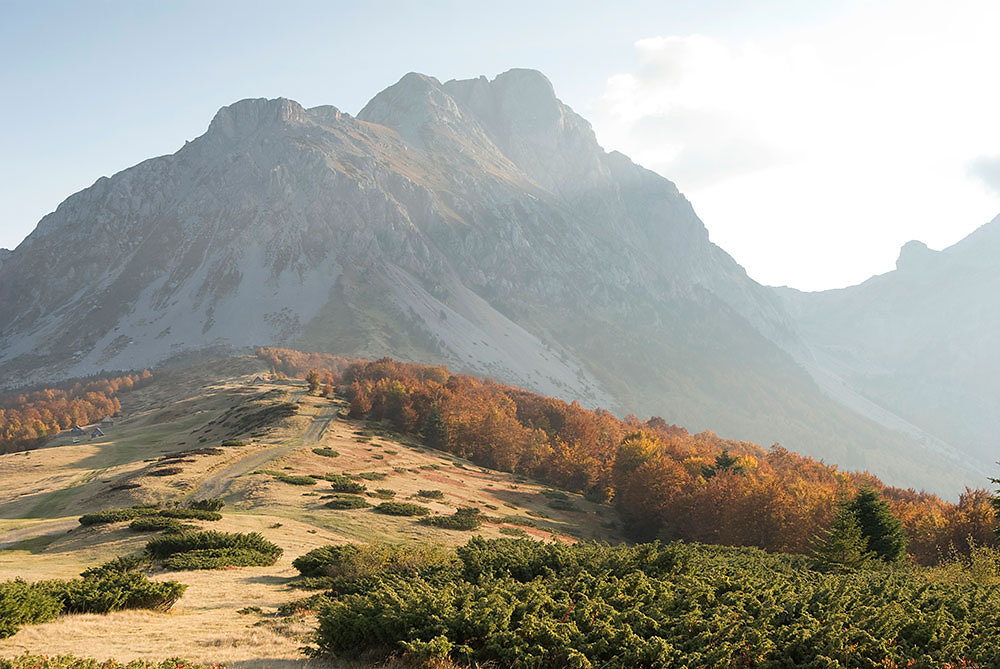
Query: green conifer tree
<point x="841" y="547"/>
<point x="435" y="432"/>
<point x="883" y="530"/>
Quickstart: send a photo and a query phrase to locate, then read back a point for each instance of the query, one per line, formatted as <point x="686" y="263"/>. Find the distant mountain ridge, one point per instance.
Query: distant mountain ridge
<point x="919" y="341"/>
<point x="476" y="223"/>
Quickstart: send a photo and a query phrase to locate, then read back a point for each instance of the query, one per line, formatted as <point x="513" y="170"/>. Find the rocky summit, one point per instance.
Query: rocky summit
<point x="476" y="223"/>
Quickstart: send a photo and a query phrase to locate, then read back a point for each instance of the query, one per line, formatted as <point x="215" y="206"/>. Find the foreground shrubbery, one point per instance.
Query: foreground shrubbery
<point x="213" y="550"/>
<point x="352" y="568"/>
<point x="23" y="603"/>
<point x="519" y="603"/>
<point x="113" y="586"/>
<point x="70" y="662"/>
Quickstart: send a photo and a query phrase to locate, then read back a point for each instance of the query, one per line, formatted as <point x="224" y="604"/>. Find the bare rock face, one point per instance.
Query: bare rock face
<point x="475" y="223"/>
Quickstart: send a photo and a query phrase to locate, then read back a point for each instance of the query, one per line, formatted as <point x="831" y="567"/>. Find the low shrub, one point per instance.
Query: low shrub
<point x="191" y="513"/>
<point x="401" y="509"/>
<point x="368" y="476"/>
<point x="23" y="603"/>
<point x="341" y="483"/>
<point x="217" y="558"/>
<point x="353" y="562"/>
<point x="156" y="524"/>
<point x="467" y="519"/>
<point x="430" y="494"/>
<point x="119" y="565"/>
<point x="211" y="504"/>
<point x="513" y="531"/>
<point x="347" y="502"/>
<point x="166" y="471"/>
<point x="115" y="591"/>
<point x="292" y="478"/>
<point x="383" y="493"/>
<point x="326" y="452"/>
<point x="520" y="520"/>
<point x="311" y="603"/>
<point x="233" y="443"/>
<point x="563" y="505"/>
<point x="172" y="544"/>
<point x="117" y="515"/>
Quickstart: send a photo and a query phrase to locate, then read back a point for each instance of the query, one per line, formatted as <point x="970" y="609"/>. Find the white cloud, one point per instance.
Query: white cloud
<point x="812" y="156"/>
<point x="987" y="170"/>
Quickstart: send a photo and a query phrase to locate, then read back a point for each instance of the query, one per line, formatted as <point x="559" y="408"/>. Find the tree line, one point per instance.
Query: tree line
<point x="28" y="418"/>
<point x="666" y="483"/>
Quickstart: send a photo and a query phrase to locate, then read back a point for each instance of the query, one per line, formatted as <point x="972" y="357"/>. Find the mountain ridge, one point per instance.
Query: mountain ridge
<point x="476" y="223"/>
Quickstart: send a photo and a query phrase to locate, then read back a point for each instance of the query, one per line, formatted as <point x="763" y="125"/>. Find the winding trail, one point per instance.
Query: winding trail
<point x="218" y="484"/>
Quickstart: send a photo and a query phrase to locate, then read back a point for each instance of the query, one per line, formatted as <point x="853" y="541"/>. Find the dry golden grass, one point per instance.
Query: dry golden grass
<point x="46" y="490"/>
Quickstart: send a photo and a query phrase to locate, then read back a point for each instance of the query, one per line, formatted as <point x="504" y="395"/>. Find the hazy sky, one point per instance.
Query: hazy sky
<point x="813" y="138"/>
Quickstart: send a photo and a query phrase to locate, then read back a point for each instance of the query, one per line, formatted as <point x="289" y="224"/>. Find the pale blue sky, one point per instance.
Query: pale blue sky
<point x="90" y="88"/>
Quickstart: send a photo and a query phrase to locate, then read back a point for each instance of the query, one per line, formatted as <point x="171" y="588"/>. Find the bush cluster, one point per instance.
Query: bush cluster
<point x="190" y="513"/>
<point x="155" y="518"/>
<point x="401" y="509"/>
<point x="213" y="550"/>
<point x="210" y="504"/>
<point x="117" y="515"/>
<point x="217" y="558"/>
<point x="343" y="483"/>
<point x="342" y="502"/>
<point x="467" y="518"/>
<point x="291" y="479"/>
<point x="156" y="524"/>
<point x="23" y="603"/>
<point x="520" y="603"/>
<point x="563" y="505"/>
<point x="326" y="452"/>
<point x="113" y="586"/>
<point x="350" y="567"/>
<point x="430" y="494"/>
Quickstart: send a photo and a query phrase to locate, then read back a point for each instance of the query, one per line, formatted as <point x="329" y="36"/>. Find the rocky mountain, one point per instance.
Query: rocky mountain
<point x="915" y="348"/>
<point x="476" y="223"/>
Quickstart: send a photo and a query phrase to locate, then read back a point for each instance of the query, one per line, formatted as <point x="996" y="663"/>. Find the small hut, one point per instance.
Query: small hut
<point x="96" y="433"/>
<point x="106" y="421"/>
<point x="76" y="431"/>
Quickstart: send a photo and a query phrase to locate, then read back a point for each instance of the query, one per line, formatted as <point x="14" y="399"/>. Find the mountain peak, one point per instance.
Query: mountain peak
<point x="251" y="114"/>
<point x="914" y="254"/>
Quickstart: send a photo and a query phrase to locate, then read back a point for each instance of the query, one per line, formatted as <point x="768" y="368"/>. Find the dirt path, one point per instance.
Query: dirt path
<point x="217" y="484"/>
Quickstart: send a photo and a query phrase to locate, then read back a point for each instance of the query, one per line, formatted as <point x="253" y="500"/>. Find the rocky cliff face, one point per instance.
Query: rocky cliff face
<point x="476" y="223"/>
<point x="918" y="343"/>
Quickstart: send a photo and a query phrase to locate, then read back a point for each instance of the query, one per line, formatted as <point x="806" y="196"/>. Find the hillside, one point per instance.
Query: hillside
<point x="239" y="429"/>
<point x="473" y="223"/>
<point x="914" y="347"/>
<point x="180" y="421"/>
